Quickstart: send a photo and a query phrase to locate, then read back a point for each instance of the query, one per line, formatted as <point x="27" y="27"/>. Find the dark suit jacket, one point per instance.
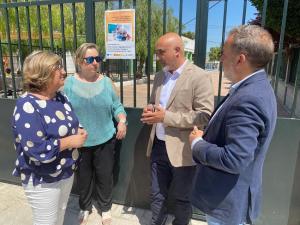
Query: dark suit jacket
<point x="230" y="159"/>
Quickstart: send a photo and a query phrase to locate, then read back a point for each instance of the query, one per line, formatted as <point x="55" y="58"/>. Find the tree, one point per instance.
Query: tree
<point x="214" y="54"/>
<point x="141" y="26"/>
<point x="274" y="16"/>
<point x="56" y="27"/>
<point x="156" y="29"/>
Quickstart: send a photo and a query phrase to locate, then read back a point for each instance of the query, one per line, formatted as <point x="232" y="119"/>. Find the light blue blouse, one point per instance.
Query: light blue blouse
<point x="95" y="104"/>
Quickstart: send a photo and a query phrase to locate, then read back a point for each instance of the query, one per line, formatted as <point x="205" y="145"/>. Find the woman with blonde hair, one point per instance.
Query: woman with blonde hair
<point x="96" y="104"/>
<point x="47" y="135"/>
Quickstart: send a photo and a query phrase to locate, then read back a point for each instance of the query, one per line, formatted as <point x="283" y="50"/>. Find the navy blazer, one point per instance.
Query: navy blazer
<point x="230" y="157"/>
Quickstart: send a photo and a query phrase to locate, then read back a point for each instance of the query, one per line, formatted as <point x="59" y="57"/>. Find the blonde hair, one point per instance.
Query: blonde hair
<point x="80" y="53"/>
<point x="38" y="69"/>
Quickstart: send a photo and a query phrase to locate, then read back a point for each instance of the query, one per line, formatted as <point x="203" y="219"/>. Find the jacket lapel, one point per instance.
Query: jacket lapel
<point x="253" y="79"/>
<point x="160" y="81"/>
<point x="181" y="79"/>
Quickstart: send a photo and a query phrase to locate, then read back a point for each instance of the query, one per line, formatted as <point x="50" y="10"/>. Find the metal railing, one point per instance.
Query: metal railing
<point x="42" y="33"/>
<point x="45" y="24"/>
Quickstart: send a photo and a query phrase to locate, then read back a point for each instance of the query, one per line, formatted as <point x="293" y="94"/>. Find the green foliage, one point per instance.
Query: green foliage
<point x="45" y="24"/>
<point x="141" y="26"/>
<point x="214" y="54"/>
<point x="156" y="29"/>
<point x="274" y="15"/>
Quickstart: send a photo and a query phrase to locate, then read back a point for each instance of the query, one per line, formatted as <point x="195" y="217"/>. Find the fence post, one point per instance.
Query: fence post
<point x="201" y="32"/>
<point x="90" y="21"/>
<point x="2" y="71"/>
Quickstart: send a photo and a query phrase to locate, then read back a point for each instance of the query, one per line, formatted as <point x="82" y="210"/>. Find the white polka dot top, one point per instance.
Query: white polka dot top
<point x="38" y="126"/>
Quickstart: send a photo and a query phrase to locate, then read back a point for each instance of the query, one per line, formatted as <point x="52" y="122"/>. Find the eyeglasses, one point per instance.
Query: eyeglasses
<point x="90" y="59"/>
<point x="58" y="66"/>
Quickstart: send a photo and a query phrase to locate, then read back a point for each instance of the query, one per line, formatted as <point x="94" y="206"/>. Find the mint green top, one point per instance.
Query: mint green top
<point x="95" y="104"/>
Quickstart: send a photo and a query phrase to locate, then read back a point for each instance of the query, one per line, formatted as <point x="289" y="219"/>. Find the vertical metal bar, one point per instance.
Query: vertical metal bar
<point x="296" y="88"/>
<point x="63" y="40"/>
<point x="165" y="17"/>
<point x="50" y="27"/>
<point x="264" y="13"/>
<point x="244" y="12"/>
<point x="2" y="71"/>
<point x="286" y="79"/>
<point x="19" y="36"/>
<point x="121" y="67"/>
<point x="222" y="44"/>
<point x="107" y="60"/>
<point x="90" y="21"/>
<point x="282" y="32"/>
<point x="28" y="27"/>
<point x="38" y="11"/>
<point x="180" y="17"/>
<point x="201" y="32"/>
<point x="10" y="50"/>
<point x="148" y="50"/>
<point x="134" y="66"/>
<point x="74" y="26"/>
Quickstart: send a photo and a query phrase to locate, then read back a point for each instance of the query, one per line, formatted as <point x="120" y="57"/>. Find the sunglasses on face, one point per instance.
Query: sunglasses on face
<point x="90" y="59"/>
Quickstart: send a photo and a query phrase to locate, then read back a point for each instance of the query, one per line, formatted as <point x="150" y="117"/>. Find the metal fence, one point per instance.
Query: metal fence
<point x="27" y="41"/>
<point x="33" y="25"/>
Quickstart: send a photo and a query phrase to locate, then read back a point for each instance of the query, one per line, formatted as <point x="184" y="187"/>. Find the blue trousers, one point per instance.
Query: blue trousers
<point x="162" y="175"/>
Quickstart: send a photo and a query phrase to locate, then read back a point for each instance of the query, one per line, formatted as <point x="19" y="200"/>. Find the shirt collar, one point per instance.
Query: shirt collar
<point x="236" y="85"/>
<point x="177" y="72"/>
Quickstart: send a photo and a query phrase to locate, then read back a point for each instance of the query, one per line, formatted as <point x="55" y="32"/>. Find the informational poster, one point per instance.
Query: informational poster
<point x="120" y="34"/>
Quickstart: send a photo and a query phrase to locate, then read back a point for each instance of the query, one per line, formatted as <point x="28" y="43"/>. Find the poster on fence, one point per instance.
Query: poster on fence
<point x="120" y="34"/>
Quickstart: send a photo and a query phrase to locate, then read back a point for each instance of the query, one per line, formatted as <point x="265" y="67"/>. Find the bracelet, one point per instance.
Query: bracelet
<point x="122" y="121"/>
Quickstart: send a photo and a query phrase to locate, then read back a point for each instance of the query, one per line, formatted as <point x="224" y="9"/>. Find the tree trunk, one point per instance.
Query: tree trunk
<point x="139" y="72"/>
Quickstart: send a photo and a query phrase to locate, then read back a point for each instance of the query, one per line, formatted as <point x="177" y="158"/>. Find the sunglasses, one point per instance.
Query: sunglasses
<point x="90" y="59"/>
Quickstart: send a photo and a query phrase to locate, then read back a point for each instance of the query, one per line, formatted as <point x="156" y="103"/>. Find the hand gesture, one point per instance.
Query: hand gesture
<point x="195" y="134"/>
<point x="79" y="138"/>
<point x="156" y="116"/>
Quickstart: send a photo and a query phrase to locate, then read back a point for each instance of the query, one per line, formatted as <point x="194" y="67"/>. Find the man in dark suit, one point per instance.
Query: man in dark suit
<point x="231" y="151"/>
<point x="182" y="96"/>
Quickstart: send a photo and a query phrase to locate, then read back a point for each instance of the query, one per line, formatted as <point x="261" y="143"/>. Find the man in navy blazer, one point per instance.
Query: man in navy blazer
<point x="231" y="151"/>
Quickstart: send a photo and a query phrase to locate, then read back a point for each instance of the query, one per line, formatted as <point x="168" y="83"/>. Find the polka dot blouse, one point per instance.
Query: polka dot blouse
<point x="38" y="125"/>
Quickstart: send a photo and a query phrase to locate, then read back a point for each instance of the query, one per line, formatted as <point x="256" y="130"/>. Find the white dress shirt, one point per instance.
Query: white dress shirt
<point x="166" y="90"/>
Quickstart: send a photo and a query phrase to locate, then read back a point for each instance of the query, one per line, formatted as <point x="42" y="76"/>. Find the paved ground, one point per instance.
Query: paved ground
<point x="141" y="90"/>
<point x="14" y="210"/>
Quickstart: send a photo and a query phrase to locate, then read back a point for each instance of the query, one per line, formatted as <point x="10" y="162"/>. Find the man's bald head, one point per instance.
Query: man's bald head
<point x="172" y="40"/>
<point x="170" y="51"/>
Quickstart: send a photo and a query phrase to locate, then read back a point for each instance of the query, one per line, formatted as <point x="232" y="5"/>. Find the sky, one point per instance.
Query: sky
<point x="215" y="17"/>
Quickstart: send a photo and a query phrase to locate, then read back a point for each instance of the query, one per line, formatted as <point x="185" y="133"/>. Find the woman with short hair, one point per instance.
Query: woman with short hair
<point x="96" y="104"/>
<point x="46" y="135"/>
